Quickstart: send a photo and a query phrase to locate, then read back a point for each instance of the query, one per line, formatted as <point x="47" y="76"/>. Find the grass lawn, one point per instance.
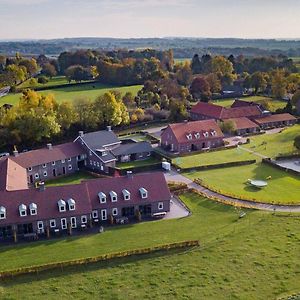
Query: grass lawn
<point x="75" y="178"/>
<point x="56" y="80"/>
<point x="256" y="257"/>
<point x="212" y="158"/>
<point x="136" y="137"/>
<point x="282" y="188"/>
<point x="71" y="93"/>
<point x="278" y="143"/>
<point x="275" y="103"/>
<point x="139" y="163"/>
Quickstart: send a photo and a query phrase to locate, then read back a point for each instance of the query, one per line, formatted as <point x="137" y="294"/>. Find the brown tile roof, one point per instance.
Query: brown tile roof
<point x="12" y="176"/>
<point x="243" y="123"/>
<point x="243" y="103"/>
<point x="154" y="183"/>
<point x="222" y="113"/>
<point x="181" y="130"/>
<point x="85" y="196"/>
<point x="275" y="118"/>
<point x="44" y="155"/>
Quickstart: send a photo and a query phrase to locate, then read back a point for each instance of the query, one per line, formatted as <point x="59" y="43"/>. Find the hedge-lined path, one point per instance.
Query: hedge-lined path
<point x="174" y="176"/>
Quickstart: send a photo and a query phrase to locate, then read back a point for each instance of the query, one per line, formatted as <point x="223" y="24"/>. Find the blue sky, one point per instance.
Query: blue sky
<point x="32" y="19"/>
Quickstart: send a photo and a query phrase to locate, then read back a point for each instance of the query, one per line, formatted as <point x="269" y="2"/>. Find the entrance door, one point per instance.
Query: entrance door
<point x="145" y="209"/>
<point x="54" y="172"/>
<point x="128" y="211"/>
<point x="64" y="170"/>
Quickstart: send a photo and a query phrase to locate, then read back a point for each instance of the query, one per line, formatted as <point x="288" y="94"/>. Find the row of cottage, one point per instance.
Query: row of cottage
<point x="204" y="133"/>
<point x="39" y="211"/>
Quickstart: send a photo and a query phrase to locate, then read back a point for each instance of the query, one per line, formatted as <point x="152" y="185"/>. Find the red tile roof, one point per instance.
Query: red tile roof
<point x="85" y="196"/>
<point x="275" y="118"/>
<point x="222" y="113"/>
<point x="181" y="130"/>
<point x="42" y="156"/>
<point x="243" y="103"/>
<point x="12" y="176"/>
<point x="243" y="123"/>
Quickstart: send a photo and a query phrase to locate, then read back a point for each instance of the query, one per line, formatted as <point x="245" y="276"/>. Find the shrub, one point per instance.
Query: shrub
<point x="43" y="79"/>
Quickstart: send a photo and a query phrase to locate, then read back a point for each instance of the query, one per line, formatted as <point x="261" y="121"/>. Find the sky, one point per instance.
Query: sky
<point x="46" y="19"/>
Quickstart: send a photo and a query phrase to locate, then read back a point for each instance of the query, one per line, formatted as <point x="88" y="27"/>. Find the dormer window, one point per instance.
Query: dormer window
<point x="23" y="210"/>
<point x="71" y="204"/>
<point x="53" y="163"/>
<point x="2" y="212"/>
<point x="205" y="134"/>
<point x="213" y="133"/>
<point x="143" y="192"/>
<point x="44" y="165"/>
<point x="30" y="169"/>
<point x="126" y="194"/>
<point x="189" y="136"/>
<point x="61" y="205"/>
<point x="113" y="196"/>
<point x="102" y="197"/>
<point x="33" y="209"/>
<point x="197" y="135"/>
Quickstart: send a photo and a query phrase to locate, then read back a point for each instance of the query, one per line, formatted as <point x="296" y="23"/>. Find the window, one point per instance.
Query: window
<point x="52" y="223"/>
<point x="91" y="153"/>
<point x="126" y="194"/>
<point x="30" y="169"/>
<point x="36" y="176"/>
<point x="40" y="225"/>
<point x="44" y="166"/>
<point x="95" y="163"/>
<point x="23" y="210"/>
<point x="115" y="211"/>
<point x="113" y="196"/>
<point x="160" y="205"/>
<point x="73" y="222"/>
<point x="53" y="163"/>
<point x="144" y="193"/>
<point x="103" y="214"/>
<point x="63" y="223"/>
<point x="70" y="159"/>
<point x="61" y="205"/>
<point x="91" y="162"/>
<point x="98" y="164"/>
<point x="102" y="197"/>
<point x="95" y="214"/>
<point x="189" y="136"/>
<point x="197" y="135"/>
<point x="33" y="209"/>
<point x="71" y="204"/>
<point x="70" y="167"/>
<point x="2" y="212"/>
<point x="83" y="219"/>
<point x="63" y="161"/>
<point x="205" y="134"/>
<point x="45" y="174"/>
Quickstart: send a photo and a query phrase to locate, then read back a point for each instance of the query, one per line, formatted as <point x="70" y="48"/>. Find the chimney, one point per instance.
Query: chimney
<point x="49" y="146"/>
<point x="108" y="128"/>
<point x="80" y="133"/>
<point x="41" y="186"/>
<point x="129" y="174"/>
<point x="16" y="153"/>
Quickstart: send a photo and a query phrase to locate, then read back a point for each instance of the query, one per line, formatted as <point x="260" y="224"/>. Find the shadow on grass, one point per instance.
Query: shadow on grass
<point x="71" y="270"/>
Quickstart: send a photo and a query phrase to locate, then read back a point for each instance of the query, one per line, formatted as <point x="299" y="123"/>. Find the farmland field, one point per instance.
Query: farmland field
<point x="256" y="257"/>
<point x="71" y="93"/>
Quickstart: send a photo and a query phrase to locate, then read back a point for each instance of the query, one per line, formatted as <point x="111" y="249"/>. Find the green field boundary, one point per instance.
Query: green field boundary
<point x="105" y="257"/>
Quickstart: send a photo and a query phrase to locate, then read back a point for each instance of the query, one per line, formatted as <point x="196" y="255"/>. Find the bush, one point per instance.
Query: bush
<point x="32" y="82"/>
<point x="43" y="79"/>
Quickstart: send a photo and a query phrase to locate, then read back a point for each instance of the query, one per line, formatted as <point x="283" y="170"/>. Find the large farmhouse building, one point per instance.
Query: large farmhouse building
<point x="28" y="213"/>
<point x="278" y="120"/>
<point x="96" y="151"/>
<point x="192" y="136"/>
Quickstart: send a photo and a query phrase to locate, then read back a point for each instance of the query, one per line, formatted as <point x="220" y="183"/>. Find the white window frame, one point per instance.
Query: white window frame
<point x="102" y="197"/>
<point x="44" y="166"/>
<point x="69" y="167"/>
<point x="2" y="213"/>
<point x="160" y="206"/>
<point x="65" y="225"/>
<point x="83" y="219"/>
<point x="70" y="159"/>
<point x="71" y="204"/>
<point x="36" y="175"/>
<point x="53" y="163"/>
<point x="63" y="161"/>
<point x="40" y="223"/>
<point x="60" y="206"/>
<point x="103" y="214"/>
<point x="95" y="214"/>
<point x="126" y="194"/>
<point x="23" y="211"/>
<point x="45" y="173"/>
<point x="143" y="193"/>
<point x="114" y="211"/>
<point x="52" y="223"/>
<point x="29" y="169"/>
<point x="113" y="196"/>
<point x="73" y="222"/>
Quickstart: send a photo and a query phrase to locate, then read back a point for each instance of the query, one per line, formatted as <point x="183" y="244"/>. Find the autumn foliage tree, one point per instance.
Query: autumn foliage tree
<point x="200" y="89"/>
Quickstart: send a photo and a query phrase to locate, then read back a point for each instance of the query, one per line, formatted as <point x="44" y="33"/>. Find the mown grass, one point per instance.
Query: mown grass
<point x="75" y="178"/>
<point x="70" y="93"/>
<point x="138" y="163"/>
<point x="256" y="257"/>
<point x="275" y="104"/>
<point x="282" y="188"/>
<point x="56" y="80"/>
